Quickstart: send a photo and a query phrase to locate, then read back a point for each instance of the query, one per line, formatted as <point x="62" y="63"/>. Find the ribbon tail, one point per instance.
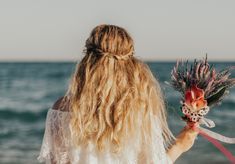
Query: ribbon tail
<point x="228" y="154"/>
<point x="218" y="136"/>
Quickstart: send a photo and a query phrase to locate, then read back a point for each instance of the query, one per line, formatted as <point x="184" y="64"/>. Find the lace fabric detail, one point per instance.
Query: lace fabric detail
<point x="56" y="146"/>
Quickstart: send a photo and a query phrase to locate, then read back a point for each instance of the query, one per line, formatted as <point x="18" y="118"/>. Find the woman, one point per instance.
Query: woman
<point x="113" y="111"/>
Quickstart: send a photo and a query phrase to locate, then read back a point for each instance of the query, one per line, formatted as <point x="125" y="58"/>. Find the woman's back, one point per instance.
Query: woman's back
<point x="115" y="111"/>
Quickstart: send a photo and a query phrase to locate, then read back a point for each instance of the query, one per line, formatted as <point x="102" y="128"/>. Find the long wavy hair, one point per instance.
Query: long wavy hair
<point x="113" y="95"/>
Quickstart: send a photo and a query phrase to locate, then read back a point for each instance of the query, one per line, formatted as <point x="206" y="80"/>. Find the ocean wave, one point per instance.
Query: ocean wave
<point x="24" y="116"/>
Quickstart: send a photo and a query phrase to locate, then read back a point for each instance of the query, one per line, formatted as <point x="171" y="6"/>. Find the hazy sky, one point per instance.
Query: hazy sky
<point x="166" y="29"/>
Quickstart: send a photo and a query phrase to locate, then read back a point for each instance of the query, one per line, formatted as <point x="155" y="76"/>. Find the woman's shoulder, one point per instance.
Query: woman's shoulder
<point x="58" y="114"/>
<point x="61" y="104"/>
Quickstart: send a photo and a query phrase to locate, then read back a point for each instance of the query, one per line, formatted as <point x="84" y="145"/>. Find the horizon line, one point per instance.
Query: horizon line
<point x="77" y="60"/>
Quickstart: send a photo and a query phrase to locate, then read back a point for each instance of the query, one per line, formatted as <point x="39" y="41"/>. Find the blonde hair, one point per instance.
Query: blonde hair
<point x="113" y="94"/>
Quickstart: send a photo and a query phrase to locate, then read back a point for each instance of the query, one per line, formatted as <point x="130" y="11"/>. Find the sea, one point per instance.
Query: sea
<point x="29" y="89"/>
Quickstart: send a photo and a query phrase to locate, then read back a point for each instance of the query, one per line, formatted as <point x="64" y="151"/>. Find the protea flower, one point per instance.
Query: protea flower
<point x="194" y="99"/>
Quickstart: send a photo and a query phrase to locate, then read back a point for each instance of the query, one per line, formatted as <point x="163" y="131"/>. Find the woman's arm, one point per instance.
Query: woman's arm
<point x="183" y="143"/>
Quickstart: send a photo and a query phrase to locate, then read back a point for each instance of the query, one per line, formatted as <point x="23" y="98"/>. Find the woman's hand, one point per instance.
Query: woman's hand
<point x="187" y="136"/>
<point x="184" y="141"/>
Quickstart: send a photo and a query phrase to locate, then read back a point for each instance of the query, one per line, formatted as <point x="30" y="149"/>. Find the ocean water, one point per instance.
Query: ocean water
<point x="27" y="91"/>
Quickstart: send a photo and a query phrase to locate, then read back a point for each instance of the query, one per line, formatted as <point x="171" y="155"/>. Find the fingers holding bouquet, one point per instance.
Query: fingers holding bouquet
<point x="187" y="136"/>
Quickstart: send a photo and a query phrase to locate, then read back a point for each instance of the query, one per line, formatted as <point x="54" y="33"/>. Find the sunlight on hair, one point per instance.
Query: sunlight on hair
<point x="114" y="97"/>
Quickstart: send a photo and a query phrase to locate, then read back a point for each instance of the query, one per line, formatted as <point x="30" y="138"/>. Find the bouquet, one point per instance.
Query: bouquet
<point x="202" y="87"/>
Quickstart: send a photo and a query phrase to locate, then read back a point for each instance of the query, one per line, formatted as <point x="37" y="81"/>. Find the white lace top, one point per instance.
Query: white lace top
<point x="56" y="147"/>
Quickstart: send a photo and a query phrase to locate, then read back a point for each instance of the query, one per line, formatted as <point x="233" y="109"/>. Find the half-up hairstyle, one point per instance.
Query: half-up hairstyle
<point x="113" y="95"/>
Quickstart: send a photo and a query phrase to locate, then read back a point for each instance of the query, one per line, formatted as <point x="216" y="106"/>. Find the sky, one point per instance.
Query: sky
<point x="55" y="30"/>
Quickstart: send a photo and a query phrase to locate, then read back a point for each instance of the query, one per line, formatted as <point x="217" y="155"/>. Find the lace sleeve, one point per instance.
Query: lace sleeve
<point x="55" y="143"/>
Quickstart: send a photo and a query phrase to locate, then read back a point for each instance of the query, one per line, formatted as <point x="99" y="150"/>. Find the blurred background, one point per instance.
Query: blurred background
<point x="41" y="42"/>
